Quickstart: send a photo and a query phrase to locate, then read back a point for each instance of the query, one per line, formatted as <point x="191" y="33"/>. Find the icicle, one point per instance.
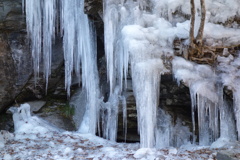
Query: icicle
<point x="227" y="122"/>
<point x="110" y="116"/>
<point x="193" y="110"/>
<point x="111" y="18"/>
<point x="146" y="87"/>
<point x="34" y="30"/>
<point x="79" y="46"/>
<point x="23" y="6"/>
<point x="180" y="134"/>
<point x="115" y="17"/>
<point x="40" y="19"/>
<point x="49" y="16"/>
<point x="124" y="110"/>
<point x="203" y="121"/>
<point x="69" y="39"/>
<point x="164" y="129"/>
<point x="236" y="95"/>
<point x="207" y="112"/>
<point x="86" y="55"/>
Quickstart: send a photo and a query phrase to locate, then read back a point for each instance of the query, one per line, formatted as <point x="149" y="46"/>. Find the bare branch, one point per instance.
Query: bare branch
<point x="192" y="25"/>
<point x="199" y="37"/>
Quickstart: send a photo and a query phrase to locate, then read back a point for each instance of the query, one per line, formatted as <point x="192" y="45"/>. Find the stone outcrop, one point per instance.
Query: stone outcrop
<point x="17" y="84"/>
<point x="15" y="61"/>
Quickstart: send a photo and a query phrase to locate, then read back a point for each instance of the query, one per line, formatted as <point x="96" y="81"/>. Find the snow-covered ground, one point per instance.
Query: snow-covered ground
<point x="72" y="145"/>
<point x="34" y="138"/>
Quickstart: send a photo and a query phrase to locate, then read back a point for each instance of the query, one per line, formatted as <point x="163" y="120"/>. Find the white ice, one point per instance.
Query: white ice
<point x="229" y="75"/>
<point x="142" y="38"/>
<point x="30" y="142"/>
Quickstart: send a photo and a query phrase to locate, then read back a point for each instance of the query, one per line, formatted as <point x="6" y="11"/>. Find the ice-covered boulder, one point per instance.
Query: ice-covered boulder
<point x="25" y="123"/>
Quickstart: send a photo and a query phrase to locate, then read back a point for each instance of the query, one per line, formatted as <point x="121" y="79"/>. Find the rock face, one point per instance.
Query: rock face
<point x="15" y="58"/>
<point x="227" y="156"/>
<point x="16" y="71"/>
<point x="16" y="82"/>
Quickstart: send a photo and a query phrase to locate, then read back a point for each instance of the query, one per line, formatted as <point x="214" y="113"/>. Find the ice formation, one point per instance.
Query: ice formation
<point x="37" y="139"/>
<point x="79" y="45"/>
<point x="229" y="74"/>
<point x="34" y="30"/>
<point x="201" y="81"/>
<point x="109" y="116"/>
<point x="139" y="35"/>
<point x="25" y="123"/>
<point x="147" y="39"/>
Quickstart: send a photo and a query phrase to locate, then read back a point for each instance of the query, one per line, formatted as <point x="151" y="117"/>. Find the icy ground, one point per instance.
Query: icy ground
<point x="72" y="145"/>
<point x="34" y="138"/>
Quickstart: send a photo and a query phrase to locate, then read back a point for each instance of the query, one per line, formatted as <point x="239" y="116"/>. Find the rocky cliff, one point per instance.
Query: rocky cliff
<point x="15" y="61"/>
<point x="16" y="74"/>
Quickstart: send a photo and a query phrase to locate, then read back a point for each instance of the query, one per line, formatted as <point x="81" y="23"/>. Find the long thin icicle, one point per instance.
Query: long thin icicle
<point x="236" y="96"/>
<point x="111" y="18"/>
<point x="68" y="27"/>
<point x="88" y="54"/>
<point x="40" y="19"/>
<point x="34" y="30"/>
<point x="124" y="110"/>
<point x="117" y="63"/>
<point x="49" y="17"/>
<point x="116" y="15"/>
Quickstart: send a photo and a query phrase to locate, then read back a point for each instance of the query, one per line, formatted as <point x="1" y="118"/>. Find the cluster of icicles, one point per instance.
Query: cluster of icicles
<point x="122" y="19"/>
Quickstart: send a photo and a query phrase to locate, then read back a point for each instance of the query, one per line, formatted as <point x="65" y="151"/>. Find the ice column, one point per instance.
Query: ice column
<point x="115" y="17"/>
<point x="109" y="116"/>
<point x="229" y="75"/>
<point x="79" y="45"/>
<point x="68" y="24"/>
<point x="80" y="49"/>
<point x="117" y="14"/>
<point x="124" y="109"/>
<point x="40" y="19"/>
<point x="227" y="121"/>
<point x="126" y="42"/>
<point x="146" y="78"/>
<point x="34" y="30"/>
<point x="236" y="95"/>
<point x="111" y="20"/>
<point x="205" y="97"/>
<point x="164" y="129"/>
<point x="49" y="25"/>
<point x="206" y="106"/>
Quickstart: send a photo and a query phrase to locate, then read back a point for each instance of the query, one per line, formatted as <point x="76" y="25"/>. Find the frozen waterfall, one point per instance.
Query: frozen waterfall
<point x="79" y="45"/>
<point x="138" y="41"/>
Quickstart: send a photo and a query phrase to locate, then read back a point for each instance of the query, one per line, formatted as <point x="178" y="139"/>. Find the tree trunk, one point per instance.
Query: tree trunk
<point x="192" y="25"/>
<point x="199" y="37"/>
